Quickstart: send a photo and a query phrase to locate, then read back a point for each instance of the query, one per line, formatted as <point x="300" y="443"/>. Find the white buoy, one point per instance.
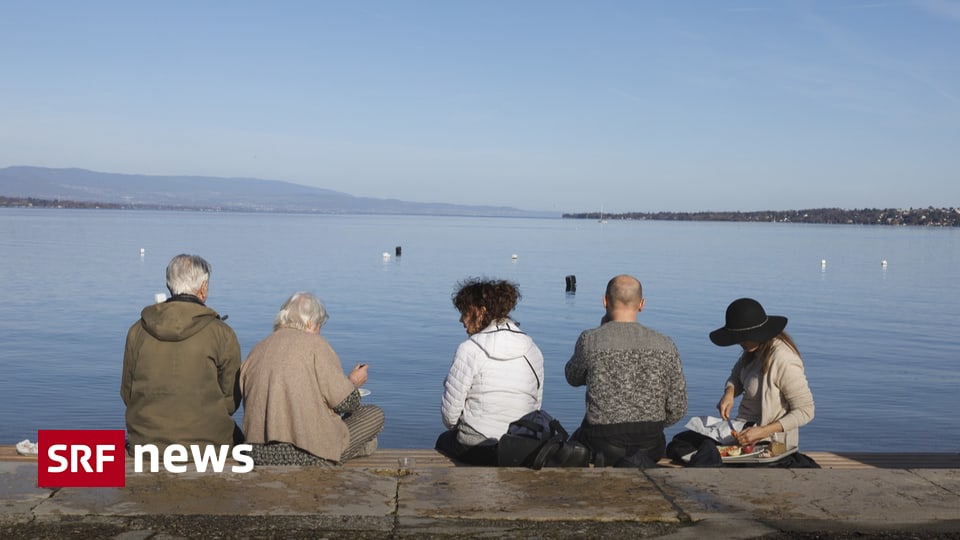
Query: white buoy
<point x="883" y="263"/>
<point x="386" y="255"/>
<point x="514" y="256"/>
<point x="142" y="251"/>
<point x="160" y="297"/>
<point x="823" y="263"/>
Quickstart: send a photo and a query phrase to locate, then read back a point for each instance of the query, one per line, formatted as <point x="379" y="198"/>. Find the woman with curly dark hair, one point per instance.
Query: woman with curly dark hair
<point x="496" y="376"/>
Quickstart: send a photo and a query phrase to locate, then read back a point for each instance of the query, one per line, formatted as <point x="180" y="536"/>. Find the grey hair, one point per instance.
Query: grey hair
<point x="186" y="274"/>
<point x="299" y="311"/>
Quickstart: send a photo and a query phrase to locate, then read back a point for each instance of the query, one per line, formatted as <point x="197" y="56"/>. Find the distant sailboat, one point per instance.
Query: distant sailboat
<point x="601" y="220"/>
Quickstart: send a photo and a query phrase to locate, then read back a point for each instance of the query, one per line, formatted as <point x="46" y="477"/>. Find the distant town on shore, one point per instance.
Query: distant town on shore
<point x="927" y="217"/>
<point x="32" y="202"/>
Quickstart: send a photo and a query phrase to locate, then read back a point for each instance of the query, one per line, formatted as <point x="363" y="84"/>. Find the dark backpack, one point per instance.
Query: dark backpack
<point x="537" y="440"/>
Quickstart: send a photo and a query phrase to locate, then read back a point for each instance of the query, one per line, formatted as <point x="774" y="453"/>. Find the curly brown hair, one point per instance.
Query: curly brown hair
<point x="497" y="296"/>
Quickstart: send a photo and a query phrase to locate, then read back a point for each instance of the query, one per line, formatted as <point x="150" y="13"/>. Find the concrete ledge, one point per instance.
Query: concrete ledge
<point x="375" y="497"/>
<point x="885" y="460"/>
<point x="389" y="459"/>
<point x="424" y="458"/>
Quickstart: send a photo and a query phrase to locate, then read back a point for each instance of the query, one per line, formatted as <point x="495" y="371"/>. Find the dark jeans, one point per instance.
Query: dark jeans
<point x="482" y="455"/>
<point x="633" y="444"/>
<point x="703" y="449"/>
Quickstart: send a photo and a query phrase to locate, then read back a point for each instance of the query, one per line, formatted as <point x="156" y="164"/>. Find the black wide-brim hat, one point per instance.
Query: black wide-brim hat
<point x="747" y="321"/>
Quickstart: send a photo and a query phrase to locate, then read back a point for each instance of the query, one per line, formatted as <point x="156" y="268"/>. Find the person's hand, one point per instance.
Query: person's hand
<point x="726" y="404"/>
<point x="359" y="375"/>
<point x="751" y="435"/>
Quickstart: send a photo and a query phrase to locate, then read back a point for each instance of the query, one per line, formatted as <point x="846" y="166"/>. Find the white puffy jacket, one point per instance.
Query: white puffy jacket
<point x="496" y="377"/>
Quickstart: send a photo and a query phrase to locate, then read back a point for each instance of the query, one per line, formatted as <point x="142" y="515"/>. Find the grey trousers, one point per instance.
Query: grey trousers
<point x="364" y="424"/>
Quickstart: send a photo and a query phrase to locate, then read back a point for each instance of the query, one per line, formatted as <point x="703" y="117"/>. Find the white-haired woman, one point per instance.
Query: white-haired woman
<point x="299" y="408"/>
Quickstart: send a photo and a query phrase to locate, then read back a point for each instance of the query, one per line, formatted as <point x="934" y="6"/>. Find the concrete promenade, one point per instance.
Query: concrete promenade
<point x="854" y="496"/>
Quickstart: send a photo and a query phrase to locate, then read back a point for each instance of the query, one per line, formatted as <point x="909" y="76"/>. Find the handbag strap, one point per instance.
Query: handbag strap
<point x="553" y="429"/>
<point x="557" y="429"/>
<point x="546" y="451"/>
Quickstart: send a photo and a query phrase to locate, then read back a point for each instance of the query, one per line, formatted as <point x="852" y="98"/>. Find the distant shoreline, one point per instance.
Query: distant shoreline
<point x="31" y="202"/>
<point x="924" y="217"/>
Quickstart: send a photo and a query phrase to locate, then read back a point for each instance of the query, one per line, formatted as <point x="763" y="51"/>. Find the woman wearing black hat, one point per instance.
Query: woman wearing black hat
<point x="769" y="375"/>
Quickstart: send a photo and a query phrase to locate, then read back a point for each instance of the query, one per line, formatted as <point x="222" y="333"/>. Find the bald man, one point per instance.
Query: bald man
<point x="634" y="379"/>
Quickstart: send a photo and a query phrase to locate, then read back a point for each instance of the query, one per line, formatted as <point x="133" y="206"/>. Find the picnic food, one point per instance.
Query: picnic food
<point x="729" y="451"/>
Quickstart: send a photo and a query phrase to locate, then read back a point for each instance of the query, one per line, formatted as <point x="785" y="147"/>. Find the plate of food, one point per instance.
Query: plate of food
<point x="736" y="451"/>
<point x="363" y="392"/>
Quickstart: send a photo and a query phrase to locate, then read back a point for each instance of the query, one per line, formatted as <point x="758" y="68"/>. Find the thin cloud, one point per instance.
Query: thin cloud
<point x="869" y="5"/>
<point x="941" y="8"/>
<point x="934" y="85"/>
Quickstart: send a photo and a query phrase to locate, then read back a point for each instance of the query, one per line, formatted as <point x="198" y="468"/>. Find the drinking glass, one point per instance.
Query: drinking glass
<point x="778" y="443"/>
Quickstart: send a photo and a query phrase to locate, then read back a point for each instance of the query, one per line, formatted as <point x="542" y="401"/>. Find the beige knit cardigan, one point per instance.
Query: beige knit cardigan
<point x="784" y="392"/>
<point x="291" y="381"/>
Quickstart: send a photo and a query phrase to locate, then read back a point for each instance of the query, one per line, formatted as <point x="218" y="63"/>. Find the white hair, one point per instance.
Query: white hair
<point x="299" y="311"/>
<point x="186" y="274"/>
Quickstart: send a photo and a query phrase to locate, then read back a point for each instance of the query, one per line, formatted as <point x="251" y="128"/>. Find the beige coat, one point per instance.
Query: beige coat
<point x="291" y="381"/>
<point x="785" y="394"/>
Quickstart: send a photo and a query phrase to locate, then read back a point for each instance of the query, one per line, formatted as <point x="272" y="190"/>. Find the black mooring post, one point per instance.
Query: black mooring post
<point x="571" y="283"/>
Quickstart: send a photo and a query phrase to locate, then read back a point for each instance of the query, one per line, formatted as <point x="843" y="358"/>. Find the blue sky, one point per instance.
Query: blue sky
<point x="561" y="106"/>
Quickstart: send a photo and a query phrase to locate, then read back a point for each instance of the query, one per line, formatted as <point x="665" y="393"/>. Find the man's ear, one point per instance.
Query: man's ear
<point x="606" y="302"/>
<point x="640" y="305"/>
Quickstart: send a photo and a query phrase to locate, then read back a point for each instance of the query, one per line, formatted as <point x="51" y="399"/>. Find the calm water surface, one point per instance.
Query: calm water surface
<point x="880" y="344"/>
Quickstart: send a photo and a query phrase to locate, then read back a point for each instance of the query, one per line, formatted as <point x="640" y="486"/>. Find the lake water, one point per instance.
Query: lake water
<point x="880" y="343"/>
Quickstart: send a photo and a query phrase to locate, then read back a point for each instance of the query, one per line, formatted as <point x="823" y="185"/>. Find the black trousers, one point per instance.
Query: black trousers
<point x="634" y="444"/>
<point x="482" y="455"/>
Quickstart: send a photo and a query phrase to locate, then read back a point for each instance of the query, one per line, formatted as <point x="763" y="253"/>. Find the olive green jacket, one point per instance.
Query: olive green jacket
<point x="180" y="376"/>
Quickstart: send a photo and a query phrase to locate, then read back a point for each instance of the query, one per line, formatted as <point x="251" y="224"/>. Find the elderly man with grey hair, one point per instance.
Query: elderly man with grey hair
<point x="181" y="366"/>
<point x="299" y="406"/>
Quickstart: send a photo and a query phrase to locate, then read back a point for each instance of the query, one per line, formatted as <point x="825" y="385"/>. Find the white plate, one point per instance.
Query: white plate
<point x="363" y="392"/>
<point x="757" y="450"/>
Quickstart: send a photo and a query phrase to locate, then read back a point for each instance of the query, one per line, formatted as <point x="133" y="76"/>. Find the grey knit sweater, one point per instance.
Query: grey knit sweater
<point x="632" y="373"/>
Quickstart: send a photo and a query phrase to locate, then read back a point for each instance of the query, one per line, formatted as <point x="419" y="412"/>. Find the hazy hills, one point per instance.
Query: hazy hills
<point x="242" y="194"/>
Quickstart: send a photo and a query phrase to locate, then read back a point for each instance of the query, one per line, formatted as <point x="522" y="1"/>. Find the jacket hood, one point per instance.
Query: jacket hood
<point x="503" y="340"/>
<point x="176" y="320"/>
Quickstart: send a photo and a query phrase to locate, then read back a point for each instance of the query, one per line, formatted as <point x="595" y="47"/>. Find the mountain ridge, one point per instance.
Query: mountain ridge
<point x="226" y="193"/>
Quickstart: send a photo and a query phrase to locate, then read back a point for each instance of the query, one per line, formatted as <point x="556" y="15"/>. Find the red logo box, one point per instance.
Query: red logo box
<point x="81" y="458"/>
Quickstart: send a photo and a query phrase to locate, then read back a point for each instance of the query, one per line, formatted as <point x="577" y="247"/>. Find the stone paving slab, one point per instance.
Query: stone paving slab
<point x="548" y="494"/>
<point x="456" y="502"/>
<point x="948" y="479"/>
<point x="18" y="491"/>
<point x="265" y="491"/>
<point x="816" y="499"/>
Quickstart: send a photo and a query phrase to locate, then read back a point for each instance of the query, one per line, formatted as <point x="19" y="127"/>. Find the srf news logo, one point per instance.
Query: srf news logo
<point x="81" y="458"/>
<point x="97" y="458"/>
